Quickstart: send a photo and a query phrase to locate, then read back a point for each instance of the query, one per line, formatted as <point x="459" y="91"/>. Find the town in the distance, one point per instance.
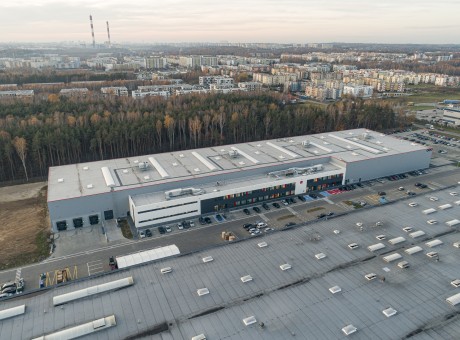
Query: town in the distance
<point x="229" y="190"/>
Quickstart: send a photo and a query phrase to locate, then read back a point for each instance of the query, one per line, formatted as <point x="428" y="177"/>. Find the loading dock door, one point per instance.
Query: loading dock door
<point x="78" y="222"/>
<point x="108" y="214"/>
<point x="61" y="225"/>
<point x="94" y="219"/>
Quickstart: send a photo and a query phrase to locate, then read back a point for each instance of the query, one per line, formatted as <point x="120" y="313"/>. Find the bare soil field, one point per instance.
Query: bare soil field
<point x="24" y="227"/>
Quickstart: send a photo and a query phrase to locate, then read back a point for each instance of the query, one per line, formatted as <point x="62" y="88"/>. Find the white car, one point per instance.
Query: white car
<point x="431" y="221"/>
<point x="142" y="234"/>
<point x="168" y="229"/>
<point x="453" y="193"/>
<point x="434" y="198"/>
<point x="180" y="226"/>
<point x="380" y="237"/>
<point x="359" y="224"/>
<point x="401" y="189"/>
<point x="413" y="204"/>
<point x="353" y="245"/>
<point x="407" y="229"/>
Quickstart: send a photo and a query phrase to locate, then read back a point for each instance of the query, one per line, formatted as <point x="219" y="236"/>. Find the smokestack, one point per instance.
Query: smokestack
<point x="92" y="30"/>
<point x="108" y="34"/>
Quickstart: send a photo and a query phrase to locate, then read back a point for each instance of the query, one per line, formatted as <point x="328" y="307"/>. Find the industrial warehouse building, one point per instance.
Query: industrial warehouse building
<point x="161" y="188"/>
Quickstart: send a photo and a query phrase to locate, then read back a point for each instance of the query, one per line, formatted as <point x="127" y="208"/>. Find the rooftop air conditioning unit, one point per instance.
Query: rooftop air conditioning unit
<point x="143" y="166"/>
<point x="306" y="143"/>
<point x="233" y="153"/>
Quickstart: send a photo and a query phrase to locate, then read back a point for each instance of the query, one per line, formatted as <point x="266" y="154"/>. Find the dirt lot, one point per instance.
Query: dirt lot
<point x="25" y="228"/>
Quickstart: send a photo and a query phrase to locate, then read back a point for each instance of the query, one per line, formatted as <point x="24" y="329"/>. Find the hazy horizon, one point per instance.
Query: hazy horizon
<point x="289" y="21"/>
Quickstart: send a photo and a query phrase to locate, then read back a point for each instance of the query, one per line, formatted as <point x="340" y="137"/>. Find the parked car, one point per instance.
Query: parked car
<point x="330" y="213"/>
<point x="168" y="229"/>
<point x="265" y="206"/>
<point x="285" y="202"/>
<point x="302" y="198"/>
<point x="141" y="234"/>
<point x="191" y="224"/>
<point x="208" y="220"/>
<point x="382" y="193"/>
<point x="289" y="224"/>
<point x="401" y="189"/>
<point x="314" y="196"/>
<point x="321" y="216"/>
<point x="248" y="226"/>
<point x="219" y="217"/>
<point x="161" y="230"/>
<point x="276" y="205"/>
<point x="410" y="193"/>
<point x="246" y="211"/>
<point x="256" y="209"/>
<point x="148" y="233"/>
<point x="202" y="220"/>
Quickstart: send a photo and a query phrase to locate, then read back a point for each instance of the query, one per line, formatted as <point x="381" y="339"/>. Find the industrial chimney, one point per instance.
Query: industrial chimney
<point x="108" y="34"/>
<point x="92" y="30"/>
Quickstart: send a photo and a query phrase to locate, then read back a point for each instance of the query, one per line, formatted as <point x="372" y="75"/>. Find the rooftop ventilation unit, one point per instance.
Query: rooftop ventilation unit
<point x="207" y="259"/>
<point x="233" y="153"/>
<point x="246" y="278"/>
<point x="349" y="329"/>
<point x="85" y="168"/>
<point x="365" y="135"/>
<point x="335" y="289"/>
<point x="389" y="312"/>
<point x="306" y="143"/>
<point x="184" y="191"/>
<point x="202" y="291"/>
<point x="320" y="256"/>
<point x="89" y="186"/>
<point x="445" y="206"/>
<point x="125" y="171"/>
<point x="285" y="266"/>
<point x="262" y="244"/>
<point x="249" y="320"/>
<point x="60" y="180"/>
<point x="428" y="211"/>
<point x="199" y="337"/>
<point x="143" y="166"/>
<point x="166" y="270"/>
<point x="147" y="177"/>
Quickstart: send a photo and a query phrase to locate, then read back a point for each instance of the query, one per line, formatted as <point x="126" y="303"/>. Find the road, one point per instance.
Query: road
<point x="201" y="237"/>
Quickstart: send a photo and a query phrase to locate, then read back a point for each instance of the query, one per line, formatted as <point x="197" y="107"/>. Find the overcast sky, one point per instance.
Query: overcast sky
<point x="283" y="21"/>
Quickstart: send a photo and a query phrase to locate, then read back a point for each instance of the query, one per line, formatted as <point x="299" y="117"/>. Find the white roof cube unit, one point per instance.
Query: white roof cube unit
<point x="249" y="320"/>
<point x="417" y="233"/>
<point x="349" y="329"/>
<point x="320" y="256"/>
<point x="207" y="259"/>
<point x="246" y="278"/>
<point x="370" y="276"/>
<point x="166" y="270"/>
<point x="396" y="240"/>
<point x="457" y="202"/>
<point x="389" y="312"/>
<point x="433" y="243"/>
<point x="454" y="299"/>
<point x="452" y="223"/>
<point x="376" y="247"/>
<point x="429" y="211"/>
<point x="392" y="257"/>
<point x="202" y="291"/>
<point x="199" y="337"/>
<point x="445" y="206"/>
<point x="455" y="283"/>
<point x="335" y="289"/>
<point x="262" y="244"/>
<point x="413" y="250"/>
<point x="285" y="266"/>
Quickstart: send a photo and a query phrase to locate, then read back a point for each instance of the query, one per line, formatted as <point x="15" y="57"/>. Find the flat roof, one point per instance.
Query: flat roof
<point x="295" y="301"/>
<point x="85" y="179"/>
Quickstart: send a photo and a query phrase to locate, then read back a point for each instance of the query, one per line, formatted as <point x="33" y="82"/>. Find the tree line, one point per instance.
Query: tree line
<point x="44" y="133"/>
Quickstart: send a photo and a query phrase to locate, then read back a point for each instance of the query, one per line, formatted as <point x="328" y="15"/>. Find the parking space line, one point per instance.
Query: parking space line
<point x="95" y="267"/>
